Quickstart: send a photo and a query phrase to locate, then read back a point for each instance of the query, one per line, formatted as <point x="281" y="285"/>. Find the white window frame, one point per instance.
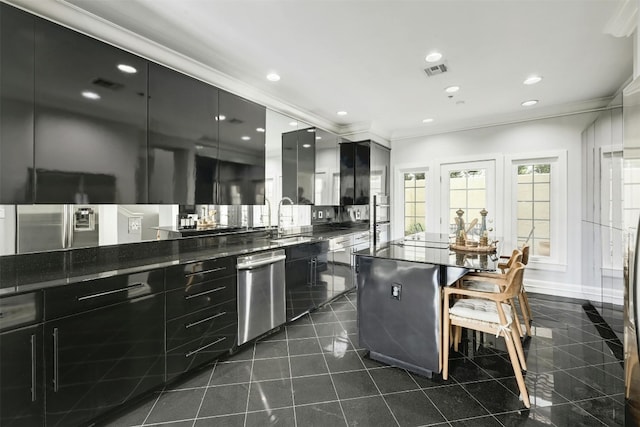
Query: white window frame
<point x="557" y="260"/>
<point x="397" y="202"/>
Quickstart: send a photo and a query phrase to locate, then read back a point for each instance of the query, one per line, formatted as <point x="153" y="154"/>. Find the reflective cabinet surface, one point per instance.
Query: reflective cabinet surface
<point x="90" y="120"/>
<point x="242" y="151"/>
<point x="183" y="138"/>
<point x="16" y="105"/>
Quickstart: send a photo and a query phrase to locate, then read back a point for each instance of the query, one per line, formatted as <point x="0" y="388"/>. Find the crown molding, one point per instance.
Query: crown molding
<point x="589" y="106"/>
<point x="624" y="19"/>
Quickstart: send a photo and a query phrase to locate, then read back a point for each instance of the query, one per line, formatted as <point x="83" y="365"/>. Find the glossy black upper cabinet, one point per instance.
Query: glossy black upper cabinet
<point x="298" y="164"/>
<point x="183" y="138"/>
<point x="242" y="151"/>
<point x="90" y="120"/>
<point x="355" y="165"/>
<point x="327" y="169"/>
<point x="16" y="105"/>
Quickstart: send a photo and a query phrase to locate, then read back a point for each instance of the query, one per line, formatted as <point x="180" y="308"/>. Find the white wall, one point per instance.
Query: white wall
<point x="498" y="143"/>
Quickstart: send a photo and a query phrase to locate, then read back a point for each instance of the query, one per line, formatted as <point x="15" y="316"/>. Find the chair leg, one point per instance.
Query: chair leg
<point x="511" y="346"/>
<point x="519" y="349"/>
<point x="524" y="307"/>
<point x="525" y="298"/>
<point x="445" y="345"/>
<point x="457" y="337"/>
<point x="515" y="318"/>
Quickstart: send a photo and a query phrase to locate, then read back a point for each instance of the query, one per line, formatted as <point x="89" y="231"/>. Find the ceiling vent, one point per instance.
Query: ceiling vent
<point x="235" y="121"/>
<point x="436" y="69"/>
<point x="107" y="84"/>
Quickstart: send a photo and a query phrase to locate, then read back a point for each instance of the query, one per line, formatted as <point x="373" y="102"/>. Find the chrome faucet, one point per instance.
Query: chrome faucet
<point x="280" y="228"/>
<point x="268" y="215"/>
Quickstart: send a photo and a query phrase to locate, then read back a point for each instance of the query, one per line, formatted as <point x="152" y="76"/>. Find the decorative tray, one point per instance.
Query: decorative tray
<point x="473" y="249"/>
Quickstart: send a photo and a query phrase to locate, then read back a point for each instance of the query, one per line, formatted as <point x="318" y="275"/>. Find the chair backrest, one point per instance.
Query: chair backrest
<point x="514" y="280"/>
<point x="516" y="256"/>
<point x="525" y="254"/>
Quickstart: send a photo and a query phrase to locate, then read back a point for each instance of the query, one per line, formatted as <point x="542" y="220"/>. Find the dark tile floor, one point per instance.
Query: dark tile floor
<point x="313" y="373"/>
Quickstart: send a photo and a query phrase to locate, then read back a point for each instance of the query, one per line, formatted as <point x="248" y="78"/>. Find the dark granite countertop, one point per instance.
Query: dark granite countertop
<point x="29" y="272"/>
<point x="431" y="248"/>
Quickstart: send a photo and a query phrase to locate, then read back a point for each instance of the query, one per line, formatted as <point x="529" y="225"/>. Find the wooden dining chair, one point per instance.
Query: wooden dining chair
<point x="481" y="281"/>
<point x="489" y="312"/>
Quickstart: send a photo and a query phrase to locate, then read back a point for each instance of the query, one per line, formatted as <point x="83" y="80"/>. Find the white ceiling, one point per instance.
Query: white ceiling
<point x="367" y="57"/>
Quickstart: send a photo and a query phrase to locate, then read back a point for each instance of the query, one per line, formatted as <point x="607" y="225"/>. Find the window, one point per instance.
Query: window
<point x="533" y="198"/>
<point x="414" y="202"/>
<point x="467" y="191"/>
<point x="538" y="202"/>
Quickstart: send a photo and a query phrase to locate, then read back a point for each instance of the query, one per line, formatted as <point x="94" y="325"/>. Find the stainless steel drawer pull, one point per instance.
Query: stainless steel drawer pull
<point x="33" y="368"/>
<point x="213" y="270"/>
<point x="197" y="322"/>
<point x="55" y="360"/>
<point x="199" y="294"/>
<point x="115" y="291"/>
<point x="198" y="350"/>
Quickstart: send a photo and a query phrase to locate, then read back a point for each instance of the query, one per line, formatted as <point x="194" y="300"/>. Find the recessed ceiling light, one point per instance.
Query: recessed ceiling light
<point x="273" y="77"/>
<point x="199" y="147"/>
<point x="246" y="138"/>
<point x="318" y="137"/>
<point x="433" y="57"/>
<point x="311" y="130"/>
<point x="260" y="129"/>
<point x="90" y="95"/>
<point x="306" y="145"/>
<point x="293" y="123"/>
<point x="452" y="89"/>
<point x="427" y="120"/>
<point x="341" y="113"/>
<point x="221" y="117"/>
<point x="127" y="69"/>
<point x="529" y="103"/>
<point x="531" y="80"/>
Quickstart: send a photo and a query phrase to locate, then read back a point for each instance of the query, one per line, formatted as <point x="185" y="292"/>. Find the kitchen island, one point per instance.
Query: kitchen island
<point x="399" y="298"/>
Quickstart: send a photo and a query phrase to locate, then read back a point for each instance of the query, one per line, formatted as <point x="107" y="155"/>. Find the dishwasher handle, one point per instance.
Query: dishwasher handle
<point x="255" y="264"/>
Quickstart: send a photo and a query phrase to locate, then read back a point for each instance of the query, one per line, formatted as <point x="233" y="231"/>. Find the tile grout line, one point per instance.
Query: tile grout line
<point x="293" y="396"/>
<point x="154" y="405"/>
<point x="326" y="364"/>
<point x="215" y="365"/>
<point x="246" y="408"/>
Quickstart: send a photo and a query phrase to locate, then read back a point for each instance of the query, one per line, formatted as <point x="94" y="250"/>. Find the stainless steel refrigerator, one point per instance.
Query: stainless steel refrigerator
<point x="631" y="125"/>
<point x="51" y="227"/>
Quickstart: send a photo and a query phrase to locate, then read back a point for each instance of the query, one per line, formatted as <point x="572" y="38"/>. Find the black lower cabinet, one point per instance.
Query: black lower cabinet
<point x="99" y="359"/>
<point x="21" y="378"/>
<point x="201" y="314"/>
<point x="308" y="278"/>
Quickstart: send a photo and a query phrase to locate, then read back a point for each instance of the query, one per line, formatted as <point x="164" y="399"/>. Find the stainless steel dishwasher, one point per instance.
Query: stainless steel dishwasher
<point x="261" y="294"/>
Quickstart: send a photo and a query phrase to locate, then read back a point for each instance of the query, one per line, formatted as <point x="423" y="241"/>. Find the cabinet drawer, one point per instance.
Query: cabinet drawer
<point x="200" y="295"/>
<point x="84" y="296"/>
<point x="20" y="310"/>
<point x="202" y="351"/>
<point x="184" y="276"/>
<point x="200" y="325"/>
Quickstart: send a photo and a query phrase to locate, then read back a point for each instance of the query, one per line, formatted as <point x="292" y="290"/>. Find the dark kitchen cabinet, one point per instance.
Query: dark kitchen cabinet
<point x="90" y="120"/>
<point x="242" y="150"/>
<point x="327" y="169"/>
<point x="355" y="165"/>
<point x="298" y="164"/>
<point x="103" y="345"/>
<point x="308" y="278"/>
<point x="201" y="313"/>
<point x="16" y="105"/>
<point x="183" y="138"/>
<point x="21" y="361"/>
